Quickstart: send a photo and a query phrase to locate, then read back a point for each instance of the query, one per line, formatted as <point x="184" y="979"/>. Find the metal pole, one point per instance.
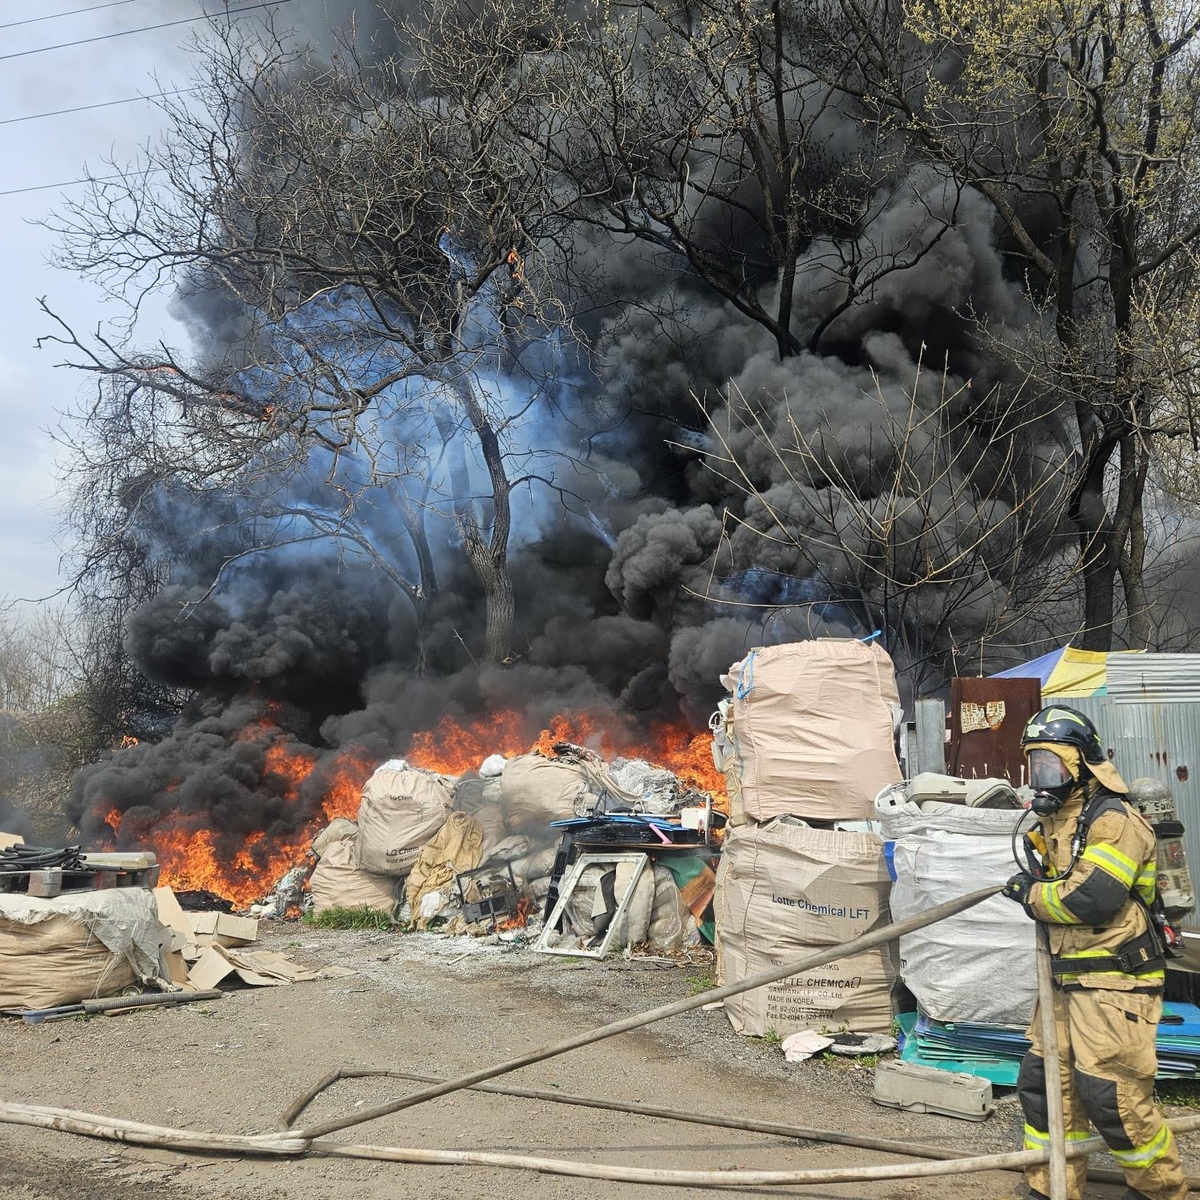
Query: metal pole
<point x="929" y="750"/>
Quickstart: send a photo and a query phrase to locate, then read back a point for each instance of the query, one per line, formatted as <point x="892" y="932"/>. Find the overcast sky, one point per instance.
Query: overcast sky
<point x="50" y="151"/>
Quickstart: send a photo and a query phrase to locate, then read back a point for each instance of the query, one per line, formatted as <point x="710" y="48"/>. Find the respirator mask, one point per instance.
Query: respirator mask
<point x="1051" y="781"/>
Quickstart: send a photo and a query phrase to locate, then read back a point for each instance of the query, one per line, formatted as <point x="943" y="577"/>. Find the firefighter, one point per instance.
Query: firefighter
<point x="1091" y="884"/>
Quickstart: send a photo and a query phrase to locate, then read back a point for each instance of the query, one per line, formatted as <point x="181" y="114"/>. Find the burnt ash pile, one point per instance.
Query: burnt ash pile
<point x="631" y="598"/>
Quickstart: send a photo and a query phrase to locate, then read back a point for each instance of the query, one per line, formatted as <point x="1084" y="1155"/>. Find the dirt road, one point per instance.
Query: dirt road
<point x="443" y="1006"/>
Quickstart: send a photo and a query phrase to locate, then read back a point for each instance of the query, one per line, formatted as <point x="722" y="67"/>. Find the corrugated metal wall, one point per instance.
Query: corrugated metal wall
<point x="1150" y="725"/>
<point x="1154" y="678"/>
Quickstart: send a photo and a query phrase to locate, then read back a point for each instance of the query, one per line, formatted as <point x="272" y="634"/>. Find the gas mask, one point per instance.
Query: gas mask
<point x="1051" y="781"/>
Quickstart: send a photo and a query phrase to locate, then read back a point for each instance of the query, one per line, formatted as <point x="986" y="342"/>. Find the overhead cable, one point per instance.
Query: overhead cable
<point x="69" y="13"/>
<point x="45" y="187"/>
<point x="104" y="37"/>
<point x="58" y="112"/>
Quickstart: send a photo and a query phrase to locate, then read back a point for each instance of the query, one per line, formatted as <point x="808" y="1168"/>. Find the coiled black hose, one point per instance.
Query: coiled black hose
<point x="40" y="858"/>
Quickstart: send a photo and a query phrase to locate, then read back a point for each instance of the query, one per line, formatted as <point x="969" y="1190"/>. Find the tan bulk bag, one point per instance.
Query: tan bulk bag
<point x="337" y="882"/>
<point x="811" y="729"/>
<point x="785" y="890"/>
<point x="535" y="791"/>
<point x="78" y="946"/>
<point x="402" y="808"/>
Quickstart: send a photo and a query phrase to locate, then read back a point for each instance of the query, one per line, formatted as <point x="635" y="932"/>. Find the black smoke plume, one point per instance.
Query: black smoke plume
<point x="632" y="598"/>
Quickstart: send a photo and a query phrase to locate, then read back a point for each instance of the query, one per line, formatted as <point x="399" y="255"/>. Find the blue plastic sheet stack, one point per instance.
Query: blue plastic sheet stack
<point x="995" y="1051"/>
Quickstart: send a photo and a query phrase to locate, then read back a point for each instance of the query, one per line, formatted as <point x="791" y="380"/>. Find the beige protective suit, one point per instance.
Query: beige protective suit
<point x="1106" y="1018"/>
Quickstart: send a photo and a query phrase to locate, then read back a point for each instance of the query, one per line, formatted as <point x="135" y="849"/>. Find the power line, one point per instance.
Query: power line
<point x="58" y="112"/>
<point x="104" y="37"/>
<point x="71" y="13"/>
<point x="45" y="187"/>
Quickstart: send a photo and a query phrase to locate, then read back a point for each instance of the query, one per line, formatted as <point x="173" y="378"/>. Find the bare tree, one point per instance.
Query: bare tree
<point x="1080" y="124"/>
<point x="382" y="245"/>
<point x="702" y="131"/>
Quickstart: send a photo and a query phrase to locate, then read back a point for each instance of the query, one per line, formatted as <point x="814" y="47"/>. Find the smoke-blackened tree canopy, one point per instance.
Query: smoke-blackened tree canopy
<point x="376" y="243"/>
<point x="434" y="282"/>
<point x="1080" y="124"/>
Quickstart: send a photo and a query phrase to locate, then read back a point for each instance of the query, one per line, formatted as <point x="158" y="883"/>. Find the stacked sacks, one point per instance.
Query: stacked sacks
<point x="806" y="743"/>
<point x="338" y="882"/>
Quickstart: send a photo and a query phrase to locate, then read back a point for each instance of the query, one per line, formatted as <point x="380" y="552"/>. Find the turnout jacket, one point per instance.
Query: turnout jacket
<point x="1092" y="913"/>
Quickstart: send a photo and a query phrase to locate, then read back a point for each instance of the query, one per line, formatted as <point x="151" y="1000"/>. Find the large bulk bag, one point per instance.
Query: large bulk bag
<point x="338" y="830"/>
<point x="491" y="821"/>
<point x="79" y="946"/>
<point x="785" y="890"/>
<point x="811" y="729"/>
<point x="337" y="882"/>
<point x="978" y="965"/>
<point x="402" y="808"/>
<point x="535" y="791"/>
<point x="453" y="850"/>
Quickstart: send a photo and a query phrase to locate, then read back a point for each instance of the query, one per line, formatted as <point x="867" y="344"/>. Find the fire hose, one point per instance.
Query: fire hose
<point x="310" y="1141"/>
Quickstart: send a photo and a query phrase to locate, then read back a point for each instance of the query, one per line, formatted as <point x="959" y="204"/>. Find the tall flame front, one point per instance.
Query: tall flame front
<point x="193" y="856"/>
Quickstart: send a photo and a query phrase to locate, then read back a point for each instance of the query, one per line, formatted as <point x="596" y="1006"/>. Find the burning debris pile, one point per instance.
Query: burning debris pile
<point x="234" y="811"/>
<point x="487" y="850"/>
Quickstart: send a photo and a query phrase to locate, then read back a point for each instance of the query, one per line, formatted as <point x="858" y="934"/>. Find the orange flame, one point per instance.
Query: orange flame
<point x="520" y="918"/>
<point x="193" y="857"/>
<point x="454" y="748"/>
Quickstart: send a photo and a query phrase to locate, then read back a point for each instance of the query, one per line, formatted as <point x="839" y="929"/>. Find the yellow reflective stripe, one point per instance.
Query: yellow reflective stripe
<point x="1108" y="858"/>
<point x="1052" y="901"/>
<point x="1146" y="883"/>
<point x="1144" y="977"/>
<point x="1143" y="1156"/>
<point x="1149" y="976"/>
<point x="1037" y="1139"/>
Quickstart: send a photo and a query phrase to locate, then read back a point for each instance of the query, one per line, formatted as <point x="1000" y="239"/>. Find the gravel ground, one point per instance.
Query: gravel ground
<point x="439" y="1006"/>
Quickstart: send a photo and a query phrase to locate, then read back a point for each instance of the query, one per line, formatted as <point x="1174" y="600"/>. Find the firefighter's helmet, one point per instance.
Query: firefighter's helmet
<point x="1062" y="726"/>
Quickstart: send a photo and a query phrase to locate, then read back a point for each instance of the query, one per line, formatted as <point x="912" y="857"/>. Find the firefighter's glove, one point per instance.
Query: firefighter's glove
<point x="1018" y="888"/>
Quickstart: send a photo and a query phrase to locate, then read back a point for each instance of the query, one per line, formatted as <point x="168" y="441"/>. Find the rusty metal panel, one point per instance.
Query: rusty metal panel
<point x="987" y="717"/>
<point x="1158" y="740"/>
<point x="1153" y="678"/>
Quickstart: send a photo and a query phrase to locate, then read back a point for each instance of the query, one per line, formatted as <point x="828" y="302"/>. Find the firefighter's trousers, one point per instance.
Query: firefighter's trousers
<point x="1106" y="1047"/>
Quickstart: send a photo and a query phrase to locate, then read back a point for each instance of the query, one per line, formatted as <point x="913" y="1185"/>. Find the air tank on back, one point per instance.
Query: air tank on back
<point x="1153" y="799"/>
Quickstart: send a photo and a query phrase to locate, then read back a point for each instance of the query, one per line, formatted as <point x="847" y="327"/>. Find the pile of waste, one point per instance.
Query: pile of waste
<point x="495" y="848"/>
<point x="87" y="933"/>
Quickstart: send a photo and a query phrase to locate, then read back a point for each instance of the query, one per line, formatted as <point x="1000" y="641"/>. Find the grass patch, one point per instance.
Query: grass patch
<point x="349" y="918"/>
<point x="1185" y="1093"/>
<point x="701" y="982"/>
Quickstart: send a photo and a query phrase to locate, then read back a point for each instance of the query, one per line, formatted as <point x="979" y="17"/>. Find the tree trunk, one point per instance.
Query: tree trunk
<point x="1131" y="529"/>
<point x="489" y="556"/>
<point x="501" y="612"/>
<point x="1099" y="580"/>
<point x="1097" y="553"/>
